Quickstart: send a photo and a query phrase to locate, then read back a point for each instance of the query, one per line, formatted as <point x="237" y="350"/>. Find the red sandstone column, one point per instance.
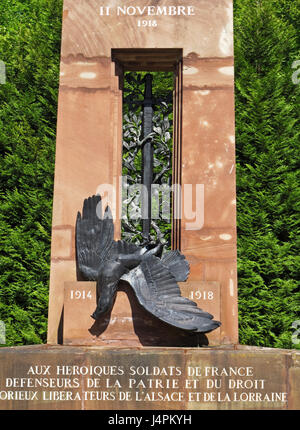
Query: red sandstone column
<point x="88" y="151"/>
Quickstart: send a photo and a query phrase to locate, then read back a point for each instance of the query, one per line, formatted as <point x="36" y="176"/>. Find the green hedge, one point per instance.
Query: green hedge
<point x="30" y="48"/>
<point x="267" y="132"/>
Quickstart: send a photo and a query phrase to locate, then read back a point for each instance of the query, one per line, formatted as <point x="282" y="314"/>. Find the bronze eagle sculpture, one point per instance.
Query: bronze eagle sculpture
<point x="152" y="276"/>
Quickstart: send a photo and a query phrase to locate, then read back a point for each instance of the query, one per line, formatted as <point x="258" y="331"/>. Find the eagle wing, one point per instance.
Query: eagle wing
<point x="94" y="237"/>
<point x="158" y="292"/>
<point x="121" y="247"/>
<point x="177" y="265"/>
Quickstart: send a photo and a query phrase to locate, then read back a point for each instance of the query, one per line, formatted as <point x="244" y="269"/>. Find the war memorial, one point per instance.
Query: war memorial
<point x="142" y="316"/>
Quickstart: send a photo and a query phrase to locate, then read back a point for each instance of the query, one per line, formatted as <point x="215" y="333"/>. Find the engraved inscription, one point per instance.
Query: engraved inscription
<point x="147" y="11"/>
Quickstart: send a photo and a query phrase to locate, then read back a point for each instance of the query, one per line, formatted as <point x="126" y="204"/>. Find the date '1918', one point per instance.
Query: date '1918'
<point x="146" y="23"/>
<point x="204" y="295"/>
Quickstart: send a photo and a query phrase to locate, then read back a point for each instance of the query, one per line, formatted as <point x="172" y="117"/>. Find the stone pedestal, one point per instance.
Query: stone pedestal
<point x="129" y="323"/>
<point x="73" y="378"/>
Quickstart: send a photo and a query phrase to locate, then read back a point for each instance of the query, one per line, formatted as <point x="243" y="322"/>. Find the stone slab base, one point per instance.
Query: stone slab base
<point x="129" y="324"/>
<point x="70" y="377"/>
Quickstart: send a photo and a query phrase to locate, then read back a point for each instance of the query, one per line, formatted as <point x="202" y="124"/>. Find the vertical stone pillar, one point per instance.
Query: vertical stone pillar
<point x="208" y="159"/>
<point x="89" y="132"/>
<point x="88" y="151"/>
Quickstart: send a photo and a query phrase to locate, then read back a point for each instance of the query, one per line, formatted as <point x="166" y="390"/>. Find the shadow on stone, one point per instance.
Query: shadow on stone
<point x="149" y="329"/>
<point x="60" y="329"/>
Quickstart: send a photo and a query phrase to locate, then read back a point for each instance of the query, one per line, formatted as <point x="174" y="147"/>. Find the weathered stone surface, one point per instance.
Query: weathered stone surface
<point x="61" y="237"/>
<point x="84" y="29"/>
<point x="294" y="381"/>
<point x="128" y="324"/>
<point x="226" y="271"/>
<point x="61" y="269"/>
<point x="70" y="377"/>
<point x="138" y="371"/>
<point x="16" y="363"/>
<point x="207" y="296"/>
<point x="254" y="380"/>
<point x="207" y="73"/>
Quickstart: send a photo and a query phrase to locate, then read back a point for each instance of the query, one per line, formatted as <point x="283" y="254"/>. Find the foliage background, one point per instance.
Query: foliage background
<point x="162" y="143"/>
<point x="267" y="133"/>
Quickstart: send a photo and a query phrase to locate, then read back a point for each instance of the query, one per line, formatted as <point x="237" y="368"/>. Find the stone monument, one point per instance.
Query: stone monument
<point x="89" y="142"/>
<point x="130" y="359"/>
